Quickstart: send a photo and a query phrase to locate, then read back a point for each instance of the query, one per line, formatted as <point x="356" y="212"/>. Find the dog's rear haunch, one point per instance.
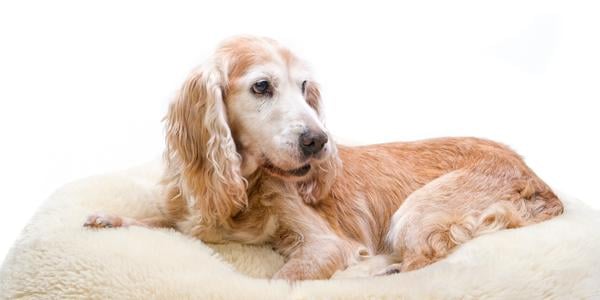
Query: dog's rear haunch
<point x="250" y="160"/>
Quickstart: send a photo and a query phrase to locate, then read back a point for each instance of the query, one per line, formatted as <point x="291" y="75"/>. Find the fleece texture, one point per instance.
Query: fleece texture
<point x="57" y="258"/>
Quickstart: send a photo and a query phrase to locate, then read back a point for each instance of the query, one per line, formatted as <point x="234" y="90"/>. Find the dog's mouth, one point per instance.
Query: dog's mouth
<point x="299" y="172"/>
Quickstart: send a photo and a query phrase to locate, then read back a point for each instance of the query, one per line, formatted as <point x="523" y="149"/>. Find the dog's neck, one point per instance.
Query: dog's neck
<point x="311" y="189"/>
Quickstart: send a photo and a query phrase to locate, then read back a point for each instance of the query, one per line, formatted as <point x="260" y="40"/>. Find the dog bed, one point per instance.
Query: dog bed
<point x="57" y="258"/>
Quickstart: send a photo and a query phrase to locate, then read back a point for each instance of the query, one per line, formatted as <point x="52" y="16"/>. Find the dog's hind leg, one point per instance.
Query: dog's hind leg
<point x="460" y="206"/>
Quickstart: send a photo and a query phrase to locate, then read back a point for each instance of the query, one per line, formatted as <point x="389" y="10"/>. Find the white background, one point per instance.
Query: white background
<point x="83" y="86"/>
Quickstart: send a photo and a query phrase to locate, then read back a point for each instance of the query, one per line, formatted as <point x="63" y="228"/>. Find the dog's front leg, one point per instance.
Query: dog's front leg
<point x="299" y="269"/>
<point x="319" y="258"/>
<point x="312" y="248"/>
<point x="103" y="220"/>
<point x="312" y="262"/>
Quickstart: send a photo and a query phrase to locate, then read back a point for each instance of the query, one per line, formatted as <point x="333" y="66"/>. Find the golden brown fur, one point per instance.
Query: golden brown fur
<point x="413" y="201"/>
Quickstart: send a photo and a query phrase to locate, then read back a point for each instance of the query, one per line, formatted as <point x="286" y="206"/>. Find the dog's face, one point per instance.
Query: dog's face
<point x="253" y="106"/>
<point x="272" y="107"/>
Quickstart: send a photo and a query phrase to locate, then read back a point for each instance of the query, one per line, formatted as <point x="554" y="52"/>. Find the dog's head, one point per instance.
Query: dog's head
<point x="253" y="106"/>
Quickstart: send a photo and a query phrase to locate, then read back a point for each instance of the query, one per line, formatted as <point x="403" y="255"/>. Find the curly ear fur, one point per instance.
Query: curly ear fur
<point x="325" y="173"/>
<point x="201" y="153"/>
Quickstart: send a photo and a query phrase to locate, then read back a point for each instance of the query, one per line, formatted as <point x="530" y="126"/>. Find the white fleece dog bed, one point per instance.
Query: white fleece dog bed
<point x="57" y="258"/>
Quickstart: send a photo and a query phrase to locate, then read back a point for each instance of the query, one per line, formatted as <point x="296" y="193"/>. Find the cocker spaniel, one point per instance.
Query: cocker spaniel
<point x="249" y="160"/>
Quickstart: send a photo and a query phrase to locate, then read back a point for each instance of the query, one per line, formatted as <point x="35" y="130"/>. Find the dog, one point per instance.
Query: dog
<point x="249" y="160"/>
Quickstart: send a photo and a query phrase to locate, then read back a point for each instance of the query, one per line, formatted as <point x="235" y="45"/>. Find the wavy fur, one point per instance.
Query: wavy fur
<point x="201" y="154"/>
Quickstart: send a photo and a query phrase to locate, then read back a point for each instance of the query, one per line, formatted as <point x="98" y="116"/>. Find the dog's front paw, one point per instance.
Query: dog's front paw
<point x="289" y="276"/>
<point x="101" y="220"/>
<point x="390" y="270"/>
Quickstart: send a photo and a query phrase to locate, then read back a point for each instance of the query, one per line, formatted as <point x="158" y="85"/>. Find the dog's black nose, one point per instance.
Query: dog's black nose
<point x="312" y="142"/>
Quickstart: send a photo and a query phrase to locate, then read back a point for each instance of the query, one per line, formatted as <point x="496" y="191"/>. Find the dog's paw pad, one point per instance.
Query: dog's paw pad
<point x="99" y="220"/>
<point x="390" y="270"/>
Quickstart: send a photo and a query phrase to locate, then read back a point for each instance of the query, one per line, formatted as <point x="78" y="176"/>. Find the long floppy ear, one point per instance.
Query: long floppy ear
<point x="319" y="185"/>
<point x="201" y="148"/>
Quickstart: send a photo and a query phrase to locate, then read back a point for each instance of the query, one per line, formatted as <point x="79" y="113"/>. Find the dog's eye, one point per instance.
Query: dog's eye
<point x="261" y="87"/>
<point x="303" y="86"/>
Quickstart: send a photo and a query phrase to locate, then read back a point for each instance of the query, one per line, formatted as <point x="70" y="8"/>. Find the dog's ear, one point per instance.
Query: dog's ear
<point x="200" y="144"/>
<point x="318" y="186"/>
<point x="312" y="94"/>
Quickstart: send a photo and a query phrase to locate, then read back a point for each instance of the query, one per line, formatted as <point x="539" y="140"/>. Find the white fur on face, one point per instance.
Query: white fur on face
<point x="268" y="127"/>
